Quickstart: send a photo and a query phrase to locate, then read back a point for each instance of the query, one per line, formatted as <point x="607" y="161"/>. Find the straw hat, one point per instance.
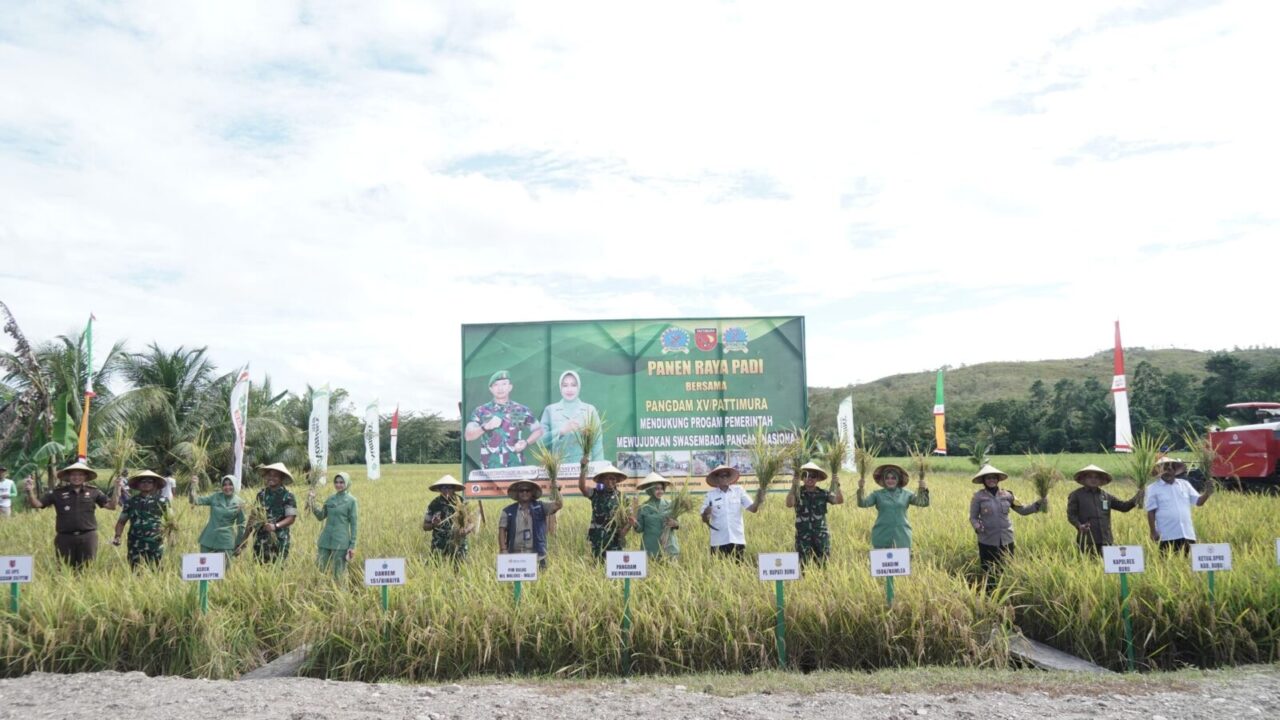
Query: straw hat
<point x="517" y="484"/>
<point x="989" y="469"/>
<point x="1106" y="476"/>
<point x="1178" y="465"/>
<point x="733" y="474"/>
<point x="77" y="466"/>
<point x="278" y="467"/>
<point x="156" y="480"/>
<point x="903" y="477"/>
<point x="446" y="482"/>
<point x="814" y="468"/>
<point x="609" y="470"/>
<point x="652" y="478"/>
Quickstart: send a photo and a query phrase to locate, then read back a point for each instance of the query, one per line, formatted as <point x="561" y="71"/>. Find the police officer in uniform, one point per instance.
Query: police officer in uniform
<point x="75" y="502"/>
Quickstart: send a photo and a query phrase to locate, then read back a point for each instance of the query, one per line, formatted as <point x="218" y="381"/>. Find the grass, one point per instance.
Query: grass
<point x="697" y="615"/>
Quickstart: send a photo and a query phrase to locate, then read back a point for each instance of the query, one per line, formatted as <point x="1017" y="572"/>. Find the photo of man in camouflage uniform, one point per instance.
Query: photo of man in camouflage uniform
<point x="272" y="541"/>
<point x="499" y="425"/>
<point x="144" y="512"/>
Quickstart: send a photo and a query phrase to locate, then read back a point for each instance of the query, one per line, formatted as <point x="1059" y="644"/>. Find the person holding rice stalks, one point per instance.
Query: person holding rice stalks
<point x="341" y="515"/>
<point x="654" y="519"/>
<point x="144" y="512"/>
<point x="891" y="529"/>
<point x="75" y="503"/>
<point x="225" y="528"/>
<point x="604" y="533"/>
<point x="1169" y="504"/>
<point x="448" y="538"/>
<point x="722" y="509"/>
<point x="1089" y="509"/>
<point x="279" y="510"/>
<point x="522" y="527"/>
<point x="989" y="516"/>
<point x="813" y="538"/>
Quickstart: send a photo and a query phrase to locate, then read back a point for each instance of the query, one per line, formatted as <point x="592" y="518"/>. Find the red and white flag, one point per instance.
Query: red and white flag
<point x="395" y="430"/>
<point x="240" y="422"/>
<point x="1119" y="391"/>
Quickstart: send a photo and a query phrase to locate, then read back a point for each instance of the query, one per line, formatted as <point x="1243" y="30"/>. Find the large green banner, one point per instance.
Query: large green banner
<point x="676" y="396"/>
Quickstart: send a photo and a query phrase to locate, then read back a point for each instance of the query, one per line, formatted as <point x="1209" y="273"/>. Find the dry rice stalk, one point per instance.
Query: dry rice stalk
<point x="193" y="457"/>
<point x="865" y="457"/>
<point x="1139" y="463"/>
<point x="549" y="458"/>
<point x="254" y="520"/>
<point x="767" y="460"/>
<point x="1043" y="474"/>
<point x="587" y="435"/>
<point x="920" y="462"/>
<point x="624" y="512"/>
<point x="680" y="504"/>
<point x="833" y="455"/>
<point x="463" y="522"/>
<point x="1202" y="453"/>
<point x="121" y="450"/>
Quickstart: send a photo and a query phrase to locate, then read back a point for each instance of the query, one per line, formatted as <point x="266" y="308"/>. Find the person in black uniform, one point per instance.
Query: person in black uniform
<point x="75" y="502"/>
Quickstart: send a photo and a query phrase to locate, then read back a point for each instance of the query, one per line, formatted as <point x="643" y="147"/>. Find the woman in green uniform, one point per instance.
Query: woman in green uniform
<point x="891" y="529"/>
<point x="338" y="538"/>
<point x="223" y="533"/>
<point x="144" y="512"/>
<point x="653" y="519"/>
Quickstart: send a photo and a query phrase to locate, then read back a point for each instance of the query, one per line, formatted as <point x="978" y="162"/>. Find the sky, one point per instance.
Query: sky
<point x="327" y="191"/>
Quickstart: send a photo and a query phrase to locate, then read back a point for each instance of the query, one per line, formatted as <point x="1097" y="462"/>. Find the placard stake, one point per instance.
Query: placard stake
<point x="781" y="631"/>
<point x="204" y="597"/>
<point x="888" y="590"/>
<point x="14" y="591"/>
<point x="1211" y="605"/>
<point x="1128" y="621"/>
<point x="626" y="626"/>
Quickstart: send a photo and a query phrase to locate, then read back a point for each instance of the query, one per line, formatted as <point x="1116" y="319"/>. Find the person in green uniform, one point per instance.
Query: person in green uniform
<point x="271" y="542"/>
<point x="561" y="421"/>
<point x="340" y="513"/>
<point x="74" y="502"/>
<point x="603" y="533"/>
<point x="813" y="539"/>
<point x="144" y="513"/>
<point x="225" y="528"/>
<point x="653" y="519"/>
<point x="891" y="529"/>
<point x="446" y="540"/>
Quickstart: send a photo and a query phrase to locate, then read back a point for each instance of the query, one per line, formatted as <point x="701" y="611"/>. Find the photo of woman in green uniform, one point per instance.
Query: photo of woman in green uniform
<point x="225" y="529"/>
<point x="337" y="543"/>
<point x="891" y="529"/>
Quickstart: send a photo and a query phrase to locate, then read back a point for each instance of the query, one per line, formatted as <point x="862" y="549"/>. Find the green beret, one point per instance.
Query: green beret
<point x="500" y="375"/>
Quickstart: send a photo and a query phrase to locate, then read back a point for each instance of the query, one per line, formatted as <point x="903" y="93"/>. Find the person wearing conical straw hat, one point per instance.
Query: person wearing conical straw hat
<point x="225" y="528"/>
<point x="522" y="526"/>
<point x="341" y="515"/>
<point x="892" y="529"/>
<point x="144" y="513"/>
<point x="722" y="509"/>
<point x="1169" y="502"/>
<point x="439" y="520"/>
<point x="602" y="491"/>
<point x="653" y="519"/>
<point x="989" y="516"/>
<point x="813" y="538"/>
<point x="75" y="502"/>
<point x="271" y="542"/>
<point x="1089" y="509"/>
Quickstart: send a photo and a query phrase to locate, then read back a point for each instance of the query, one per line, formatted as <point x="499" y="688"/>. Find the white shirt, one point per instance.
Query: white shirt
<point x="166" y="492"/>
<point x="1172" y="504"/>
<point x="726" y="515"/>
<point x="7" y="491"/>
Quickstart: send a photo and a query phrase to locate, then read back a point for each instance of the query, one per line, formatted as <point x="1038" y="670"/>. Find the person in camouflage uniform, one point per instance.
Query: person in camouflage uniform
<point x="438" y="520"/>
<point x="498" y="425"/>
<point x="603" y="533"/>
<point x="144" y="512"/>
<point x="272" y="540"/>
<point x="813" y="539"/>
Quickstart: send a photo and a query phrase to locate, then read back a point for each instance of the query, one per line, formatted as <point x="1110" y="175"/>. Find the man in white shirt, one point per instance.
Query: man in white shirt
<point x="170" y="487"/>
<point x="722" y="512"/>
<point x="7" y="491"/>
<point x="1168" y="502"/>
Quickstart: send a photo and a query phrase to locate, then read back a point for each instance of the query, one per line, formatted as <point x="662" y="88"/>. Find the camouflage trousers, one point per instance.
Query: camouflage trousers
<point x="145" y="549"/>
<point x="814" y="547"/>
<point x="449" y="551"/>
<point x="271" y="547"/>
<point x="603" y="539"/>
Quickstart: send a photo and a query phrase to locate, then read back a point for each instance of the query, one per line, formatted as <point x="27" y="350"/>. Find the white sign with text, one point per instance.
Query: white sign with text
<point x="384" y="571"/>
<point x="780" y="566"/>
<point x="623" y="564"/>
<point x="1207" y="557"/>
<point x="1123" y="559"/>
<point x="891" y="562"/>
<point x="16" y="569"/>
<point x="204" y="566"/>
<point x="517" y="566"/>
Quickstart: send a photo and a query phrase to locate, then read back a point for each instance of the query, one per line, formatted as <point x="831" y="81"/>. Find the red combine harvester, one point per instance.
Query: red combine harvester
<point x="1249" y="455"/>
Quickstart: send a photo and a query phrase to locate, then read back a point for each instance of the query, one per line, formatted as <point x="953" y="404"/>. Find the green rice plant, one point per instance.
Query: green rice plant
<point x="193" y="458"/>
<point x="833" y="455"/>
<point x="1202" y="452"/>
<point x="1141" y="462"/>
<point x="798" y="451"/>
<point x="1044" y="475"/>
<point x="767" y="460"/>
<point x="865" y="457"/>
<point x="120" y="450"/>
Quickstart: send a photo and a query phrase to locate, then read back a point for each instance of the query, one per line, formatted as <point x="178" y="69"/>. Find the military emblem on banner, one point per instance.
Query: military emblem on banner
<point x="735" y="339"/>
<point x="705" y="339"/>
<point x="675" y="340"/>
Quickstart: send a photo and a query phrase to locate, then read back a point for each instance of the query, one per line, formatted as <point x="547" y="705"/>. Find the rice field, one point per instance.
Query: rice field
<point x="694" y="615"/>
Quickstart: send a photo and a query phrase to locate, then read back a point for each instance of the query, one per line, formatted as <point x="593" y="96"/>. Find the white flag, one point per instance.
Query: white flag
<point x="844" y="425"/>
<point x="372" y="441"/>
<point x="318" y="433"/>
<point x="240" y="422"/>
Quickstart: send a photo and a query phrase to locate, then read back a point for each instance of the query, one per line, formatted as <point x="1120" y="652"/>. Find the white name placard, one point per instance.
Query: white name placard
<point x="16" y="569"/>
<point x="517" y="566"/>
<point x="204" y="566"/>
<point x="1123" y="559"/>
<point x="779" y="566"/>
<point x="622" y="564"/>
<point x="384" y="571"/>
<point x="1210" y="556"/>
<point x="891" y="562"/>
